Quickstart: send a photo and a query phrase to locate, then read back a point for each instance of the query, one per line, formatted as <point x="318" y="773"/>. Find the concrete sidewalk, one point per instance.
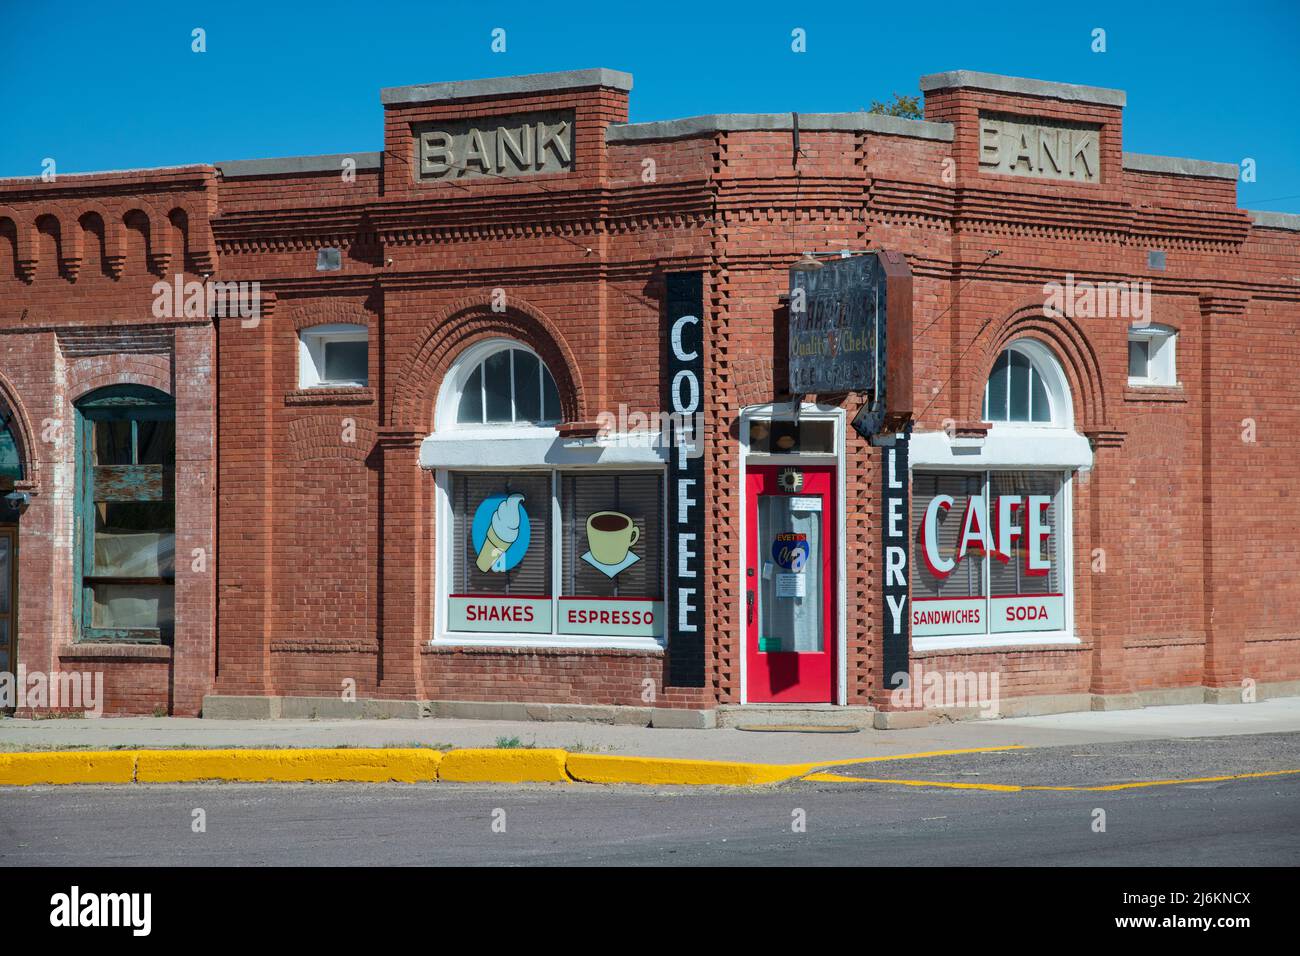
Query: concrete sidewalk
<point x="1278" y="715"/>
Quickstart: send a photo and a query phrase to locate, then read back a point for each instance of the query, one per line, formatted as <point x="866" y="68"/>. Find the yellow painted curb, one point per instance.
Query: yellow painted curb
<point x="503" y="766"/>
<point x="589" y="768"/>
<point x="377" y="765"/>
<point x="77" y="766"/>
<point x="674" y="771"/>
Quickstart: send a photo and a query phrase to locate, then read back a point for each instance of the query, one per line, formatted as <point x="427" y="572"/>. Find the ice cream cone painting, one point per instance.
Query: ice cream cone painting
<point x="500" y="533"/>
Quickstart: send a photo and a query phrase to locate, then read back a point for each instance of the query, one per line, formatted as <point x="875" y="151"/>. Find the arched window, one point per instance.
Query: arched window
<point x="503" y="383"/>
<point x="11" y="458"/>
<point x="1026" y="387"/>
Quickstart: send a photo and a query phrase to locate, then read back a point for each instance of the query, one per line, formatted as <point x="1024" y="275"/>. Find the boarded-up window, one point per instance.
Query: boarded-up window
<point x="126" y="514"/>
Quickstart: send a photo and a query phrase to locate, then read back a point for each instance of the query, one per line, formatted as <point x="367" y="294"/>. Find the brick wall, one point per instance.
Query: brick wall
<point x="325" y="556"/>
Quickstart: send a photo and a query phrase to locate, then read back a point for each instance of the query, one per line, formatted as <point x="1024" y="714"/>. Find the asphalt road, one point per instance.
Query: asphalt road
<point x="1239" y="822"/>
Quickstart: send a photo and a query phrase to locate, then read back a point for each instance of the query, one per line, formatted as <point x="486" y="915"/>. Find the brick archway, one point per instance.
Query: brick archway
<point x="461" y="325"/>
<point x="1073" y="351"/>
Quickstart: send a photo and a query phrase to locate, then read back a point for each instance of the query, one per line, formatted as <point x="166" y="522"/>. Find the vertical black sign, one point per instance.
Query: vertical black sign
<point x="686" y="491"/>
<point x="895" y="533"/>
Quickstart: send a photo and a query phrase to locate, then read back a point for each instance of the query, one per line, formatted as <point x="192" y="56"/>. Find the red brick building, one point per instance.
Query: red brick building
<point x="409" y="455"/>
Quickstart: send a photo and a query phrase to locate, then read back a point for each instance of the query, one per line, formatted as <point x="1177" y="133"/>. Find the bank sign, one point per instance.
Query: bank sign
<point x="507" y="146"/>
<point x="837" y="327"/>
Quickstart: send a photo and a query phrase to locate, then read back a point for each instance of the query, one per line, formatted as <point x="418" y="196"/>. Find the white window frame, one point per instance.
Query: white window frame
<point x="311" y="354"/>
<point x="1044" y="365"/>
<point x="1065" y="570"/>
<point x="515" y="447"/>
<point x="1052" y="446"/>
<point x="446" y="556"/>
<point x="457" y="378"/>
<point x="1162" y="367"/>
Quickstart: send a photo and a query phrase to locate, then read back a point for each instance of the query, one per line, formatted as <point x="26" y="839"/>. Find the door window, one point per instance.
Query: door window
<point x="790" y="590"/>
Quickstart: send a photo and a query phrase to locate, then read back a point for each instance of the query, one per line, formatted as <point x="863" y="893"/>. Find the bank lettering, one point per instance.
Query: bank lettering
<point x="1040" y="149"/>
<point x="511" y="146"/>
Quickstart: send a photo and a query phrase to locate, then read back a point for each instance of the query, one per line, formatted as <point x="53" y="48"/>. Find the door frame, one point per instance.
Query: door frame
<point x="11" y="531"/>
<point x="785" y="411"/>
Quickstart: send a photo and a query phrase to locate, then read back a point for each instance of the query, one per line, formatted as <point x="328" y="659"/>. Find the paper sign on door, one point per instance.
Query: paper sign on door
<point x="791" y="585"/>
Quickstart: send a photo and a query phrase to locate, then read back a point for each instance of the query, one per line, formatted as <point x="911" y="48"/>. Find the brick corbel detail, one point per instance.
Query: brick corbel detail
<point x="579" y="429"/>
<point x="971" y="429"/>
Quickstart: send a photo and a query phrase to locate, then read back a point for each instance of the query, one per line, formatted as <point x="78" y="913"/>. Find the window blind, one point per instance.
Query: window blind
<point x="532" y="575"/>
<point x="639" y="496"/>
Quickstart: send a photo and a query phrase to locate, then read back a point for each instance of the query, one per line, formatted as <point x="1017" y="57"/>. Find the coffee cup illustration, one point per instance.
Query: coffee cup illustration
<point x="610" y="535"/>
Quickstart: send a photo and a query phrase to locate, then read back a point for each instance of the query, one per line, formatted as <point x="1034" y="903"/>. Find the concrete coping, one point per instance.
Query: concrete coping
<point x="38" y="178"/>
<point x="750" y="122"/>
<point x="1175" y="166"/>
<point x="506" y="86"/>
<point x="1022" y="87"/>
<point x="281" y="165"/>
<point x="1276" y="220"/>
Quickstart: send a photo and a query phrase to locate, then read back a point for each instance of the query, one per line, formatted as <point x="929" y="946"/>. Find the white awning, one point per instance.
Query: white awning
<point x="1013" y="446"/>
<point x="537" y="447"/>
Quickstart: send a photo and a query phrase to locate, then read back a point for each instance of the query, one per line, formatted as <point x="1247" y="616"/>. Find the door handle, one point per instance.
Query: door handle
<point x="749" y="606"/>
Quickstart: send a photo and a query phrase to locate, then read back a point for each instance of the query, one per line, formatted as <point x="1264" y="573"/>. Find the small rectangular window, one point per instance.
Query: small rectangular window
<point x="334" y="356"/>
<point x="1151" y="356"/>
<point x="346" y="362"/>
<point x="774" y="436"/>
<point x="1139" y="358"/>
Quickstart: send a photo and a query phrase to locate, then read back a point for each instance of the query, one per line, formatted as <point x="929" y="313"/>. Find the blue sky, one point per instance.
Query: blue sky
<point x="115" y="85"/>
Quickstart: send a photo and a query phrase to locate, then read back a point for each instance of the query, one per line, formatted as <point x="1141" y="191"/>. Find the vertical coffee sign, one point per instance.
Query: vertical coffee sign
<point x="685" y="372"/>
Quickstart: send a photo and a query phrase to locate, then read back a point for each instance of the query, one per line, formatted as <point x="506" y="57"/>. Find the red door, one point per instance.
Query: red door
<point x="790" y="584"/>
